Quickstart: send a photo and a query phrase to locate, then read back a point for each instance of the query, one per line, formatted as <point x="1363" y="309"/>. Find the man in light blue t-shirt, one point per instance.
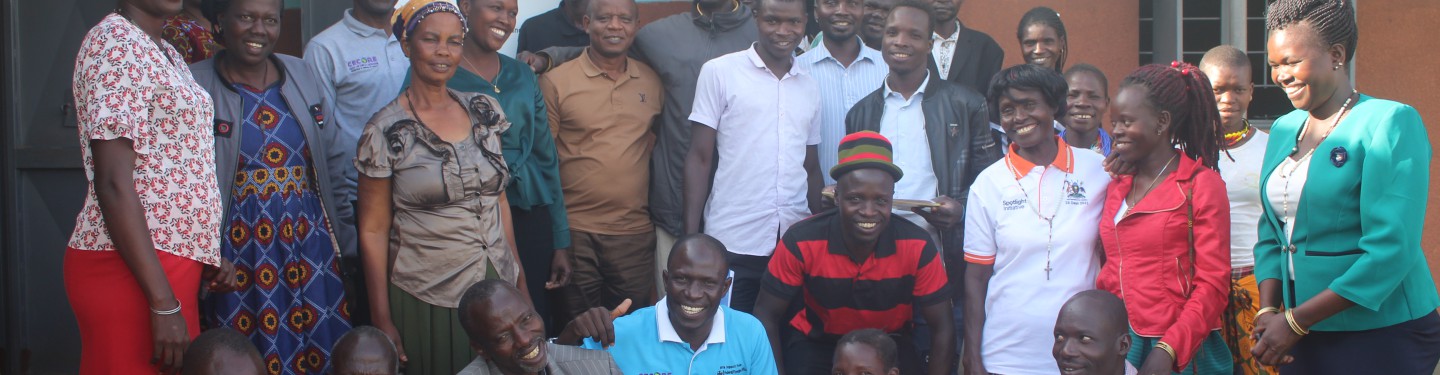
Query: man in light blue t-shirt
<point x="687" y="332"/>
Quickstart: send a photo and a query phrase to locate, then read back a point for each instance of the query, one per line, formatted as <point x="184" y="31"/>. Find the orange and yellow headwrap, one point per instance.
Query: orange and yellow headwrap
<point x="414" y="11"/>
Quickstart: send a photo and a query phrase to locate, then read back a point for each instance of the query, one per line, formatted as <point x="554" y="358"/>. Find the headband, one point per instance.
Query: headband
<point x="414" y="11"/>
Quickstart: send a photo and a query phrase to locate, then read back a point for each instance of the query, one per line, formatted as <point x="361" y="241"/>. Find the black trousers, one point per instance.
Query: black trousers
<point x="535" y="242"/>
<point x="745" y="288"/>
<point x="1411" y="347"/>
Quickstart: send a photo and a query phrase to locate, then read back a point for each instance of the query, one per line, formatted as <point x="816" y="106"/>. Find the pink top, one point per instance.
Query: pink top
<point x="127" y="86"/>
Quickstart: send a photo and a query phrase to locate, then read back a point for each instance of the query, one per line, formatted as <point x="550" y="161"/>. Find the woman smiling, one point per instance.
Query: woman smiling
<point x="286" y="207"/>
<point x="1344" y="286"/>
<point x="1166" y="229"/>
<point x="433" y="213"/>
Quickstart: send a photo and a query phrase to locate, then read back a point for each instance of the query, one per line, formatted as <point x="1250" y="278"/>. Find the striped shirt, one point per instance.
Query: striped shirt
<point x="841" y="295"/>
<point x="840" y="88"/>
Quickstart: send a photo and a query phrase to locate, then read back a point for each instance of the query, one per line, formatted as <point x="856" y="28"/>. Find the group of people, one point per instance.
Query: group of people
<point x="721" y="191"/>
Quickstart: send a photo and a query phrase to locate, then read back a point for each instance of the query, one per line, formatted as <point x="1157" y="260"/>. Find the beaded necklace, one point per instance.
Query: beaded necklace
<point x="1036" y="207"/>
<point x="1234" y="138"/>
<point x="1296" y="165"/>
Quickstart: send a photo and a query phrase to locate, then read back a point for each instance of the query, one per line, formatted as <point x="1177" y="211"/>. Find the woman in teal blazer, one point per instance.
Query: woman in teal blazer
<point x="1345" y="286"/>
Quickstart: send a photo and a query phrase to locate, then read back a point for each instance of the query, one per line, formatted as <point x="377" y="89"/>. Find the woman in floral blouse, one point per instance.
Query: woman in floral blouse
<point x="149" y="230"/>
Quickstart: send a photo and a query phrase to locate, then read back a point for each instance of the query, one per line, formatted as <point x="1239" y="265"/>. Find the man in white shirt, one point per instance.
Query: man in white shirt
<point x="939" y="132"/>
<point x="1092" y="335"/>
<point x="967" y="57"/>
<point x="361" y="66"/>
<point x="761" y="119"/>
<point x="1229" y="71"/>
<point x="845" y="69"/>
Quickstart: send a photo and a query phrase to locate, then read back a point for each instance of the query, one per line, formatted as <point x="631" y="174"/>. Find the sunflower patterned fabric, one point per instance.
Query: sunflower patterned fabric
<point x="291" y="301"/>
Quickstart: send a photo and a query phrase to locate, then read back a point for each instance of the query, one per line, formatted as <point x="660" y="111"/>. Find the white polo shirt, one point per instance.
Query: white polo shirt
<point x="1242" y="186"/>
<point x="903" y="123"/>
<point x="763" y="125"/>
<point x="1002" y="228"/>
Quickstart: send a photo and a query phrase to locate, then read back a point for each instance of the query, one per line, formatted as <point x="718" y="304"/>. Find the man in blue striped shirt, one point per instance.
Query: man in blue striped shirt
<point x="845" y="69"/>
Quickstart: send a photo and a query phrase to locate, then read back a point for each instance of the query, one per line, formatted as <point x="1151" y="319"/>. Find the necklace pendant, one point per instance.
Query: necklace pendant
<point x="1047" y="273"/>
<point x="497" y="88"/>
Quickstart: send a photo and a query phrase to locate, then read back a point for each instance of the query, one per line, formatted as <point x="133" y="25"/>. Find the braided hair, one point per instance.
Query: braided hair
<point x="1333" y="20"/>
<point x="1048" y="17"/>
<point x="1184" y="91"/>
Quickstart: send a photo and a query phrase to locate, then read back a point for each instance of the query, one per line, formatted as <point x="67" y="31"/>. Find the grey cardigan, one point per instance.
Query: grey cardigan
<point x="330" y="148"/>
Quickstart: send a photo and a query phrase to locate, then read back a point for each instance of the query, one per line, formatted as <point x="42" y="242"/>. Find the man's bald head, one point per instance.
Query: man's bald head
<point x="698" y="248"/>
<point x="1092" y="334"/>
<point x="365" y="350"/>
<point x="1098" y="305"/>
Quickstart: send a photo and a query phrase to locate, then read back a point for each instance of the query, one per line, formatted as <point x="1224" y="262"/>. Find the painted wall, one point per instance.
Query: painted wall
<point x="1104" y="33"/>
<point x="1392" y="34"/>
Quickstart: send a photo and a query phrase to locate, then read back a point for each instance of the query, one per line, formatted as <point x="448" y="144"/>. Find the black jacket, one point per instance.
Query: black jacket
<point x="958" y="127"/>
<point x="976" y="58"/>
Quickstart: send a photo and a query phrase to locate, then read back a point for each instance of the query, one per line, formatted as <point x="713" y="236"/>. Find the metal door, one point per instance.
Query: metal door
<point x="43" y="184"/>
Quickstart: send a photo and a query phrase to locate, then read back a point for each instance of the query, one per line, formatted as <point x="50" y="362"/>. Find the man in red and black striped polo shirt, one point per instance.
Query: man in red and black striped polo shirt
<point x="855" y="267"/>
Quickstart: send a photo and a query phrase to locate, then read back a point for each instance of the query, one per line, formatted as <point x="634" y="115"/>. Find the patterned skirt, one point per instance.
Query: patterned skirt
<point x="1240" y="321"/>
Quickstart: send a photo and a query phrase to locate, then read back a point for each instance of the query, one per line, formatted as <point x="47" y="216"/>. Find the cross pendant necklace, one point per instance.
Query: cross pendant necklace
<point x="1049" y="241"/>
<point x="1037" y="209"/>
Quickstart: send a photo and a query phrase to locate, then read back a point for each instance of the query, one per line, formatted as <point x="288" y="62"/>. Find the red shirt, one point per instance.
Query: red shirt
<point x="842" y="296"/>
<point x="1148" y="261"/>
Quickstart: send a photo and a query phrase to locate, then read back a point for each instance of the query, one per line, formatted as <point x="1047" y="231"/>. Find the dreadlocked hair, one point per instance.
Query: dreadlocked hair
<point x="1332" y="20"/>
<point x="1050" y="18"/>
<point x="1184" y="91"/>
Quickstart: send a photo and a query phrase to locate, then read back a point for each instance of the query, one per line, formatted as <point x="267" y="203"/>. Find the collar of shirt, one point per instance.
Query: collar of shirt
<point x="954" y="37"/>
<point x="884" y="247"/>
<point x="667" y="330"/>
<point x="754" y="54"/>
<point x="360" y="28"/>
<point x="1064" y="160"/>
<point x="587" y="64"/>
<point x="919" y="92"/>
<point x="866" y="53"/>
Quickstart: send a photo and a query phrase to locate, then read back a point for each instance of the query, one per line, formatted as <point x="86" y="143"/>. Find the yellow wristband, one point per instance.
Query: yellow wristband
<point x="1166" y="347"/>
<point x="1295" y="326"/>
<point x="1266" y="310"/>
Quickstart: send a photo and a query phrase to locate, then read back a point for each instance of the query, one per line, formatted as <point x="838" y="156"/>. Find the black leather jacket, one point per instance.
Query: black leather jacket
<point x="957" y="123"/>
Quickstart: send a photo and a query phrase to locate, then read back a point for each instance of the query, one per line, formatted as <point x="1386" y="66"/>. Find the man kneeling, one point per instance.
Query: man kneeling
<point x="687" y="332"/>
<point x="856" y="267"/>
<point x="509" y="337"/>
<point x="1092" y="335"/>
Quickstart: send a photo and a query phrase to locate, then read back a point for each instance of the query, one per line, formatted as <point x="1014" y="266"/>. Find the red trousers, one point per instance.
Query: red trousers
<point x="113" y="313"/>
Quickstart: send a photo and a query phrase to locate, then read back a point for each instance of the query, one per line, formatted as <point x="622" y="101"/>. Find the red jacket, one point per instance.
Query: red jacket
<point x="1148" y="257"/>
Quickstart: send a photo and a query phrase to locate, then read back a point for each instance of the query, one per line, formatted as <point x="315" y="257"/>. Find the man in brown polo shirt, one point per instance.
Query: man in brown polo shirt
<point x="601" y="107"/>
